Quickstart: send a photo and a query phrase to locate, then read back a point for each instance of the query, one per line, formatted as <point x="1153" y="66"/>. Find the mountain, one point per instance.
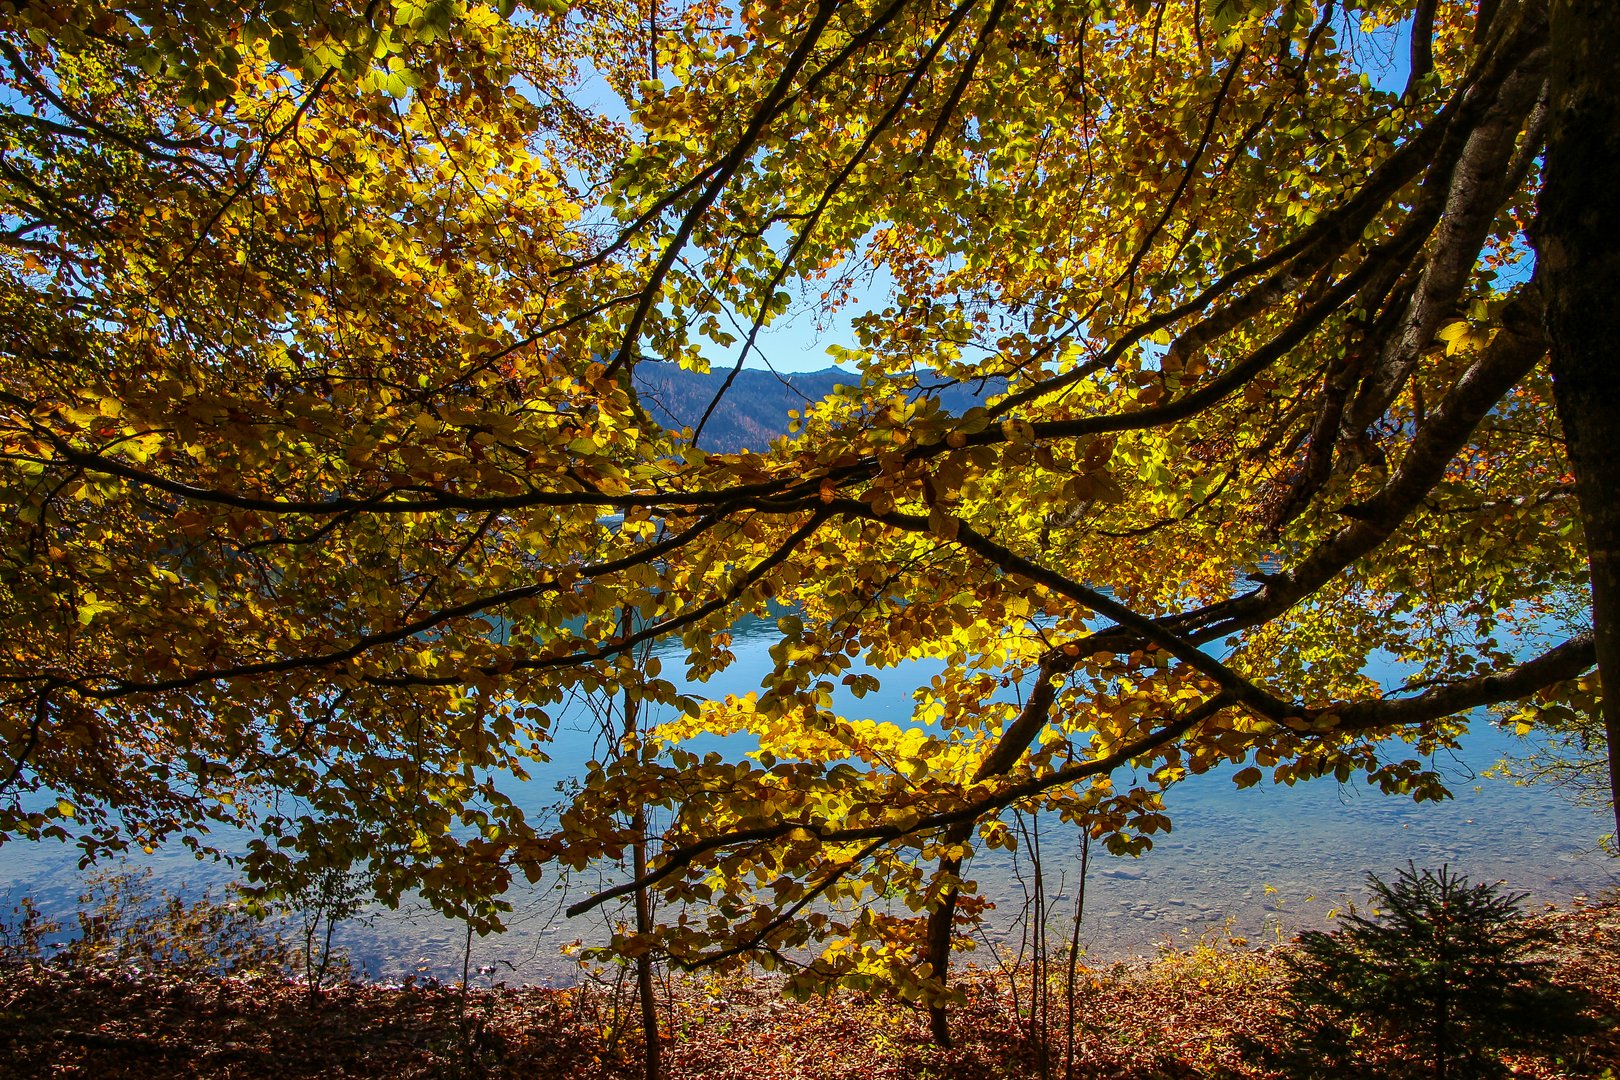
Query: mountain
<point x="755" y="409"/>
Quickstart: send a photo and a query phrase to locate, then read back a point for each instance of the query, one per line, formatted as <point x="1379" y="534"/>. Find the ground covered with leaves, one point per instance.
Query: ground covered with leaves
<point x="1213" y="1010"/>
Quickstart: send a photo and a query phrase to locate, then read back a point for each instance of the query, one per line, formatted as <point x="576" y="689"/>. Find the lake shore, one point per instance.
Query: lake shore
<point x="1197" y="1011"/>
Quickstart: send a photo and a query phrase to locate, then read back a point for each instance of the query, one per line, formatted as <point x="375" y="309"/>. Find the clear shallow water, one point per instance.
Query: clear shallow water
<point x="1254" y="863"/>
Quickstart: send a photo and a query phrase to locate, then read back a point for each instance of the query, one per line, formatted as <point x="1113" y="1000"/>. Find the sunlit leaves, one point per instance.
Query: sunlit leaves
<point x="334" y="489"/>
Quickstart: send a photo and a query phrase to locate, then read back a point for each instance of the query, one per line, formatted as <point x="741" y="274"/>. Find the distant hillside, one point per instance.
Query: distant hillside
<point x="755" y="409"/>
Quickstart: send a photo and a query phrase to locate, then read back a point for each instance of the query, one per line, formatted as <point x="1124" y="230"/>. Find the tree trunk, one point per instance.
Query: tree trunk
<point x="1577" y="239"/>
<point x="644" y="962"/>
<point x="1014" y="741"/>
<point x="941" y="930"/>
<point x="644" y="915"/>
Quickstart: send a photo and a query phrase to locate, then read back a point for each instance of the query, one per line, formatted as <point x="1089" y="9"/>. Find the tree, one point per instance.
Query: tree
<point x="1579" y="208"/>
<point x="274" y="254"/>
<point x="1448" y="969"/>
<point x="334" y="482"/>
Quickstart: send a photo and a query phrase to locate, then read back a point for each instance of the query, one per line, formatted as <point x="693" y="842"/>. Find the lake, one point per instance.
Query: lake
<point x="1256" y="864"/>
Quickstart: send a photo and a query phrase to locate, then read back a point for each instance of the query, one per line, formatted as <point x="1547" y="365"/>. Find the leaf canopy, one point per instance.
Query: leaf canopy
<point x="333" y="484"/>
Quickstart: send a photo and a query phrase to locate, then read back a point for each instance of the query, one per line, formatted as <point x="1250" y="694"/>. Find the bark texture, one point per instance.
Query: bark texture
<point x="1578" y="247"/>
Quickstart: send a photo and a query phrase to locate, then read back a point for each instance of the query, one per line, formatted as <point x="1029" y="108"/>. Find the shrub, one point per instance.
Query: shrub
<point x="1443" y="972"/>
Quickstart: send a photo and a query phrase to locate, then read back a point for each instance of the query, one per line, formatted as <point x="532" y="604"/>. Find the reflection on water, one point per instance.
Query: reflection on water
<point x="1253" y="863"/>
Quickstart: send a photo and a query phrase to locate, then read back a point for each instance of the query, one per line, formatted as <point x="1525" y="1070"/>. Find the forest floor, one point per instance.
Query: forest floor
<point x="1207" y="1011"/>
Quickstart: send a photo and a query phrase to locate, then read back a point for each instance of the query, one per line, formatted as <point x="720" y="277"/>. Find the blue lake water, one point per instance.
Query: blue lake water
<point x="1257" y="863"/>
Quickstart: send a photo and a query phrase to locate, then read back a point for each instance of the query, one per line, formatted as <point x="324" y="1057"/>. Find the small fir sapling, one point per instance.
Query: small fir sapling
<point x="1443" y="971"/>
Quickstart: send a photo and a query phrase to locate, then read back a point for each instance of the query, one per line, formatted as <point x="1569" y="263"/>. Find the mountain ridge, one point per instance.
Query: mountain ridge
<point x="755" y="408"/>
